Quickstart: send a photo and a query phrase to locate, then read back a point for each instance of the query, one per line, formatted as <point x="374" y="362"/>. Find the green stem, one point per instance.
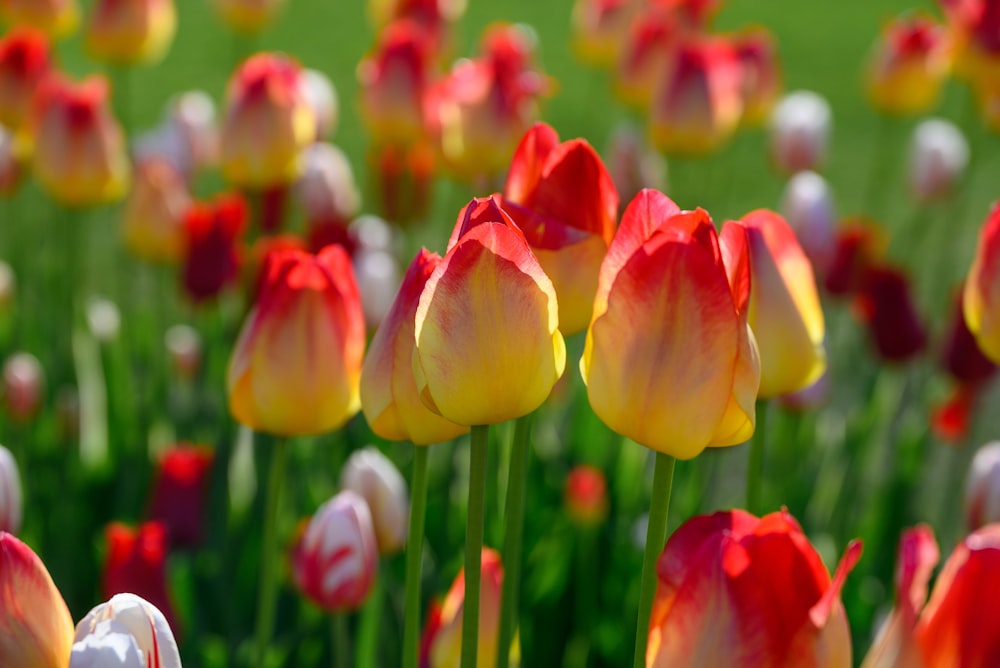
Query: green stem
<point x="513" y="537"/>
<point x="755" y="468"/>
<point x="267" y="589"/>
<point x="474" y="546"/>
<point x="414" y="553"/>
<point x="369" y="627"/>
<point x="656" y="534"/>
<point x="341" y="641"/>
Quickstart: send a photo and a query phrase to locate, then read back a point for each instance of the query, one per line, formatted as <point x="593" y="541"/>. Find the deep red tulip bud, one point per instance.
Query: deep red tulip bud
<point x="858" y="245"/>
<point x="136" y="563"/>
<point x="886" y="307"/>
<point x="586" y="495"/>
<point x="212" y="254"/>
<point x="180" y="493"/>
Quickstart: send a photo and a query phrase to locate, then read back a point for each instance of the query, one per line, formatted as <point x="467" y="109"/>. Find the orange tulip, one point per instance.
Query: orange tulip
<point x="739" y="591"/>
<point x="486" y="327"/>
<point x="952" y="629"/>
<point x="36" y="630"/>
<point x="698" y="104"/>
<point x="563" y="199"/>
<point x="154" y="212"/>
<point x="390" y="398"/>
<point x="297" y="363"/>
<point x="24" y="61"/>
<point x="56" y="18"/>
<point x="909" y="65"/>
<point x="981" y="297"/>
<point x="669" y="360"/>
<point x="248" y="16"/>
<point x="785" y="312"/>
<point x="268" y="122"/>
<point x="126" y="32"/>
<point x="79" y="149"/>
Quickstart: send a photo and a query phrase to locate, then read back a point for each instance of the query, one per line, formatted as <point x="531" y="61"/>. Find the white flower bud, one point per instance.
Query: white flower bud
<point x="800" y="131"/>
<point x="370" y="474"/>
<point x="321" y="96"/>
<point x="327" y="188"/>
<point x="939" y="155"/>
<point x="127" y="631"/>
<point x="11" y="501"/>
<point x="982" y="487"/>
<point x="807" y="205"/>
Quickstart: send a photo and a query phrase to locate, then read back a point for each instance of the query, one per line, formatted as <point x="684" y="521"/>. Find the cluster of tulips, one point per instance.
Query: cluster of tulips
<point x="560" y="272"/>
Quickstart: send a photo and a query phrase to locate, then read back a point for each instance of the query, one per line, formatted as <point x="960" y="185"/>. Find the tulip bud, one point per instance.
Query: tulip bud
<point x="23" y="384"/>
<point x="125" y="632"/>
<point x="372" y="233"/>
<point x="56" y="18"/>
<point x="586" y="496"/>
<point x="184" y="348"/>
<point x="800" y="131"/>
<point x="127" y="32"/>
<point x="807" y="205"/>
<point x="11" y="170"/>
<point x="634" y="164"/>
<point x="761" y="77"/>
<point x="909" y="65"/>
<point x="321" y="96"/>
<point x="262" y="254"/>
<point x="193" y="115"/>
<point x="981" y="296"/>
<point x="10" y="493"/>
<point x="212" y="256"/>
<point x="136" y="563"/>
<point x="857" y="247"/>
<point x="155" y="210"/>
<point x="79" y="153"/>
<point x="377" y="273"/>
<point x="600" y="30"/>
<point x="296" y="366"/>
<point x="735" y="590"/>
<point x="939" y="155"/>
<point x="646" y="54"/>
<point x="335" y="560"/>
<point x="267" y="123"/>
<point x="36" y="630"/>
<point x="180" y="493"/>
<point x="885" y="305"/>
<point x="369" y="474"/>
<point x="961" y="357"/>
<point x="326" y="188"/>
<point x="104" y="319"/>
<point x="248" y="16"/>
<point x="24" y="61"/>
<point x="982" y="487"/>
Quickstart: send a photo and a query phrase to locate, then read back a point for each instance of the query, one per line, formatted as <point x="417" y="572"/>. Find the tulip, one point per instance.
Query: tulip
<point x="950" y="630"/>
<point x="24" y="61"/>
<point x="180" y="493"/>
<point x="136" y="563"/>
<point x="79" y="149"/>
<point x="212" y="231"/>
<point x="104" y="319"/>
<point x="939" y="154"/>
<point x="973" y="24"/>
<point x="267" y="123"/>
<point x="563" y="199"/>
<point x="155" y="212"/>
<point x="885" y="305"/>
<point x="36" y="630"/>
<point x="807" y="205"/>
<point x="248" y="16"/>
<point x="600" y="30"/>
<point x="698" y="104"/>
<point x="633" y="163"/>
<point x="810" y="397"/>
<point x="56" y="18"/>
<point x="737" y="590"/>
<point x="441" y="644"/>
<point x="669" y="360"/>
<point x="857" y="246"/>
<point x="981" y="296"/>
<point x="369" y="474"/>
<point x="430" y="12"/>
<point x="263" y="253"/>
<point x="321" y="96"/>
<point x="297" y="363"/>
<point x="755" y="51"/>
<point x="193" y="115"/>
<point x="785" y="312"/>
<point x="326" y="188"/>
<point x="335" y="561"/>
<point x="486" y="327"/>
<point x="168" y="143"/>
<point x="586" y="495"/>
<point x="390" y="397"/>
<point x="800" y="131"/>
<point x="10" y="493"/>
<point x="23" y="383"/>
<point x="127" y="32"/>
<point x="909" y="65"/>
<point x="126" y="631"/>
<point x="646" y="54"/>
<point x="982" y="487"/>
<point x="183" y="345"/>
<point x="10" y="165"/>
<point x="377" y="273"/>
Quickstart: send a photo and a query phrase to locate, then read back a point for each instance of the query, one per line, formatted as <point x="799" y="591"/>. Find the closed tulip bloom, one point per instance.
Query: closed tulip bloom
<point x="886" y="307"/>
<point x="800" y="131"/>
<point x="646" y="54"/>
<point x="909" y="65"/>
<point x="327" y="189"/>
<point x="155" y="210"/>
<point x="248" y="16"/>
<point x="761" y="75"/>
<point x="212" y="257"/>
<point x="633" y="163"/>
<point x="441" y="644"/>
<point x="858" y="245"/>
<point x="335" y="560"/>
<point x="939" y="154"/>
<point x="378" y="277"/>
<point x="807" y="205"/>
<point x="136" y="563"/>
<point x="36" y="630"/>
<point x="563" y="199"/>
<point x="128" y="32"/>
<point x="127" y="632"/>
<point x="982" y="487"/>
<point x="600" y="29"/>
<point x="699" y="102"/>
<point x="737" y="590"/>
<point x="321" y="96"/>
<point x="10" y="493"/>
<point x="669" y="360"/>
<point x="79" y="149"/>
<point x="25" y="60"/>
<point x="785" y="313"/>
<point x="180" y="493"/>
<point x="389" y="394"/>
<point x="296" y="366"/>
<point x="193" y="115"/>
<point x="981" y="297"/>
<point x="586" y="495"/>
<point x="369" y="474"/>
<point x="267" y="123"/>
<point x="487" y="324"/>
<point x="56" y="18"/>
<point x="23" y="381"/>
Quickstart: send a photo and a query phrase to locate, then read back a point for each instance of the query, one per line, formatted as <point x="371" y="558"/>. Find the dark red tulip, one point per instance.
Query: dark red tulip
<point x="137" y="564"/>
<point x="179" y="494"/>
<point x="212" y="255"/>
<point x="886" y="306"/>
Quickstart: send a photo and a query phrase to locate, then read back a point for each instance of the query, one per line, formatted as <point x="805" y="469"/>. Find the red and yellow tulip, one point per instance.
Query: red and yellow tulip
<point x="154" y="212"/>
<point x="127" y="32"/>
<point x="909" y="65"/>
<point x="56" y="18"/>
<point x="981" y="297"/>
<point x="25" y="60"/>
<point x="248" y="16"/>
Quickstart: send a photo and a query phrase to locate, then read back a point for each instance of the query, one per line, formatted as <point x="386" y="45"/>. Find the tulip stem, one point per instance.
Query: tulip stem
<point x="341" y="650"/>
<point x="755" y="467"/>
<point x="474" y="546"/>
<point x="656" y="535"/>
<point x="513" y="537"/>
<point x="414" y="553"/>
<point x="267" y="589"/>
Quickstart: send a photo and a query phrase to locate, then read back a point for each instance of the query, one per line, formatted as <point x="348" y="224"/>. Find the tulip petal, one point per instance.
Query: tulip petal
<point x="982" y="288"/>
<point x="529" y="158"/>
